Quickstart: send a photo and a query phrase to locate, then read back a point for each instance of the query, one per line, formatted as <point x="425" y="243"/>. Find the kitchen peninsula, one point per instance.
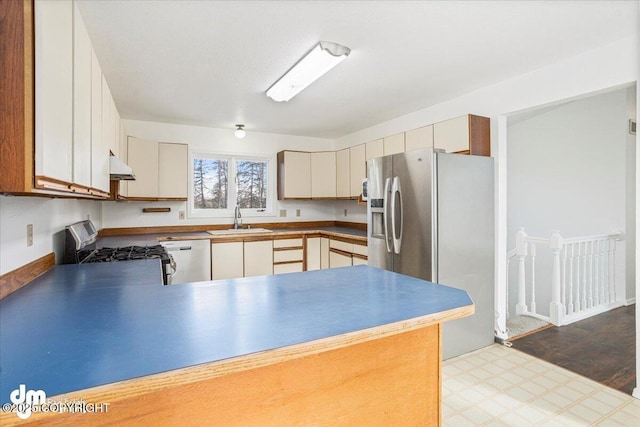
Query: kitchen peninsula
<point x="345" y="346"/>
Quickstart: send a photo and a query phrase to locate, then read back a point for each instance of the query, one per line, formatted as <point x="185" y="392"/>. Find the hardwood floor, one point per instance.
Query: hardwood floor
<point x="601" y="348"/>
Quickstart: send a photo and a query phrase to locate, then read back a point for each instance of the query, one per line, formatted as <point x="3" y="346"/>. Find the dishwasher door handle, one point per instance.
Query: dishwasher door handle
<point x="185" y="248"/>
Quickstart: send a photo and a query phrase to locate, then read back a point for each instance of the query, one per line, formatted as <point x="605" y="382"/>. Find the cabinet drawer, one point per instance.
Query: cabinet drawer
<point x="343" y="246"/>
<point x="360" y="249"/>
<point x="287" y="268"/>
<point x="293" y="255"/>
<point x="339" y="260"/>
<point x="287" y="243"/>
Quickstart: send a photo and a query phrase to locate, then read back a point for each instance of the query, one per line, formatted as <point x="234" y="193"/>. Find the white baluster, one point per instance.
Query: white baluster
<point x="583" y="302"/>
<point x="506" y="304"/>
<point x="612" y="271"/>
<point x="570" y="305"/>
<point x="533" y="277"/>
<point x="590" y="278"/>
<point x="565" y="249"/>
<point x="521" y="252"/>
<point x="556" y="310"/>
<point x="578" y="282"/>
<point x="604" y="294"/>
<point x="596" y="273"/>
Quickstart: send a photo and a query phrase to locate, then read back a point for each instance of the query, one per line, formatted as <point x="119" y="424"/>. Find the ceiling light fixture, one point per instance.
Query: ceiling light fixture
<point x="323" y="57"/>
<point x="240" y="132"/>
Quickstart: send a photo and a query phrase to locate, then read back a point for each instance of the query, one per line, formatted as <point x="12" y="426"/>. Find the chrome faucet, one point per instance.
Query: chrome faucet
<point x="237" y="218"/>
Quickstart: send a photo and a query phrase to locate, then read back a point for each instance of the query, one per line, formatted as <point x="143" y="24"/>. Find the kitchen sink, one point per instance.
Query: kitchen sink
<point x="240" y="231"/>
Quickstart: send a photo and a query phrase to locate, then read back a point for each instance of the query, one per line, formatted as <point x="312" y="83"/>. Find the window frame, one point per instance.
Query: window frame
<point x="232" y="158"/>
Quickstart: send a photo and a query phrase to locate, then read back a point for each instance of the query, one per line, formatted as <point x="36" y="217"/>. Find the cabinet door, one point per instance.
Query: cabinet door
<point x="227" y="260"/>
<point x="323" y="174"/>
<point x="107" y="116"/>
<point x="297" y="175"/>
<point x="81" y="101"/>
<point x="343" y="174"/>
<point x="99" y="147"/>
<point x="374" y="149"/>
<point x="258" y="258"/>
<point x="313" y="254"/>
<point x="115" y="118"/>
<point x="358" y="261"/>
<point x="294" y="267"/>
<point x="54" y="88"/>
<point x="394" y="144"/>
<point x="339" y="260"/>
<point x="419" y="138"/>
<point x="142" y="157"/>
<point x="452" y="135"/>
<point x="173" y="170"/>
<point x="357" y="160"/>
<point x="324" y="253"/>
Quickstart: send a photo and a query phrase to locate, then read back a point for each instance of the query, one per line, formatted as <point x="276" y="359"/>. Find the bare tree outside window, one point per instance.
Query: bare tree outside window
<point x="210" y="183"/>
<point x="252" y="184"/>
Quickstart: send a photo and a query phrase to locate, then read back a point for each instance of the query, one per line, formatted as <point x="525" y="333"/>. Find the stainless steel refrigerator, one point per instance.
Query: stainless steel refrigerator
<point x="431" y="215"/>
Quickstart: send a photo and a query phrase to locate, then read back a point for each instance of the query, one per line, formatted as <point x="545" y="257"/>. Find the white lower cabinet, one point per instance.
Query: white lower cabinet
<point x="313" y="253"/>
<point x="293" y="267"/>
<point x="258" y="258"/>
<point x="288" y="256"/>
<point x="324" y="253"/>
<point x="227" y="260"/>
<point x="339" y="259"/>
<point x="358" y="261"/>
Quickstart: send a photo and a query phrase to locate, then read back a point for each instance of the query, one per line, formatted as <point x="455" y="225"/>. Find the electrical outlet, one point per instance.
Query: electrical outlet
<point x="89" y="217"/>
<point x="29" y="235"/>
<point x="283" y="213"/>
<point x="297" y="212"/>
<point x="345" y="212"/>
<point x="181" y="215"/>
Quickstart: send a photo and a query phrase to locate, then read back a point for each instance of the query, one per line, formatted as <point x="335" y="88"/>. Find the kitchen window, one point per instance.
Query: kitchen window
<point x="219" y="182"/>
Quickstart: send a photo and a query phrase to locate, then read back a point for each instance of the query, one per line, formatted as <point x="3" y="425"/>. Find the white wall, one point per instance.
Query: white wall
<point x="48" y="216"/>
<point x="631" y="212"/>
<point x="203" y="139"/>
<point x="566" y="171"/>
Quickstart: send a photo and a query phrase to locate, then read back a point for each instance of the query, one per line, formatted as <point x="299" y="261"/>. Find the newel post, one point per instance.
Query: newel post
<point x="556" y="308"/>
<point x="521" y="252"/>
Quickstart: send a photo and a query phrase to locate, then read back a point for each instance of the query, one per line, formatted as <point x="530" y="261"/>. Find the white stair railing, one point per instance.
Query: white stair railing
<point x="581" y="280"/>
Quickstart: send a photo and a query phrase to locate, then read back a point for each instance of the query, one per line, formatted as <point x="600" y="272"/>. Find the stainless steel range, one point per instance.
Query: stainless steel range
<point x="80" y="248"/>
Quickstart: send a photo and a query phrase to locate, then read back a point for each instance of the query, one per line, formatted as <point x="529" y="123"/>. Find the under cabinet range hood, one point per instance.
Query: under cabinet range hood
<point x="119" y="170"/>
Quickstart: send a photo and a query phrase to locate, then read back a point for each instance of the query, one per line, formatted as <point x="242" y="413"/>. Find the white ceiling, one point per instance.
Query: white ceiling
<point x="209" y="63"/>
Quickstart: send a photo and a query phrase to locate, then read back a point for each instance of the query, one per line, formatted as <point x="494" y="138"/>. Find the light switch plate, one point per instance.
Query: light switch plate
<point x="297" y="212"/>
<point x="181" y="215"/>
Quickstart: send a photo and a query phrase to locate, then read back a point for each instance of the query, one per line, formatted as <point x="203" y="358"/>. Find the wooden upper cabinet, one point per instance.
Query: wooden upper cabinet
<point x="173" y="170"/>
<point x="82" y="112"/>
<point x="323" y="175"/>
<point x="294" y="175"/>
<point x="358" y="169"/>
<point x="466" y="134"/>
<point x="394" y="144"/>
<point x="343" y="174"/>
<point x="374" y="149"/>
<point x="54" y="90"/>
<point x="419" y="138"/>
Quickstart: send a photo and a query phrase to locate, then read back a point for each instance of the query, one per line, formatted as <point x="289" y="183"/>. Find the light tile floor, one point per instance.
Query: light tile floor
<point x="500" y="386"/>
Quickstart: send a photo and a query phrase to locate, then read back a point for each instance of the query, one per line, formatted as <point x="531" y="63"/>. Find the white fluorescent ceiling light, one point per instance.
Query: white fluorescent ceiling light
<point x="323" y="57"/>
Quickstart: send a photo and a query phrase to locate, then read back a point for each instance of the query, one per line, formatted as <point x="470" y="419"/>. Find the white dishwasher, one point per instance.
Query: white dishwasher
<point x="192" y="260"/>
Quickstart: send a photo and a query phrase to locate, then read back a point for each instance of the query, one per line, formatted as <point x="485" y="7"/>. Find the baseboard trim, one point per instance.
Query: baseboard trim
<point x="630" y="301"/>
<point x="15" y="279"/>
<point x="636" y="393"/>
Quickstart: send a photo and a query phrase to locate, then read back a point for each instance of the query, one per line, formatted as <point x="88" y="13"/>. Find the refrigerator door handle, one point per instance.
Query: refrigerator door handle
<point x="385" y="218"/>
<point x="397" y="237"/>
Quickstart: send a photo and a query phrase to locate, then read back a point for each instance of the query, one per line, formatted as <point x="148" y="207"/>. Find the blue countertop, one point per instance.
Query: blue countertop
<point x="79" y="326"/>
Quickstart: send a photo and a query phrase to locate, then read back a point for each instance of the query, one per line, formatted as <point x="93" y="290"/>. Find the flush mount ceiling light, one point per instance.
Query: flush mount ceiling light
<point x="323" y="57"/>
<point x="240" y="132"/>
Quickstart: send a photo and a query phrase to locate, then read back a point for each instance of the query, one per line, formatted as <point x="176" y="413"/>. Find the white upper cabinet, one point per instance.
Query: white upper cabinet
<point x="394" y="144"/>
<point x="99" y="146"/>
<point x="374" y="149"/>
<point x="419" y="138"/>
<point x="358" y="162"/>
<point x="452" y="135"/>
<point x="161" y="169"/>
<point x="82" y="53"/>
<point x="294" y="175"/>
<point x="173" y="170"/>
<point x="343" y="174"/>
<point x="54" y="89"/>
<point x="323" y="174"/>
<point x="143" y="160"/>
